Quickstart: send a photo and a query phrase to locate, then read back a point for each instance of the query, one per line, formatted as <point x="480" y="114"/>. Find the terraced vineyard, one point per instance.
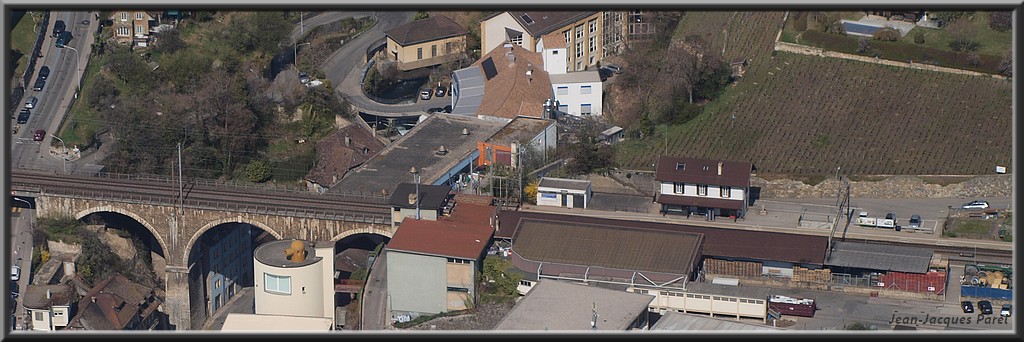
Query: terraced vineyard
<point x="806" y="115"/>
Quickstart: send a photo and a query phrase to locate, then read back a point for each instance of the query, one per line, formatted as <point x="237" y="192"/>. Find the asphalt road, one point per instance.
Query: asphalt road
<point x="56" y="95"/>
<point x="22" y="221"/>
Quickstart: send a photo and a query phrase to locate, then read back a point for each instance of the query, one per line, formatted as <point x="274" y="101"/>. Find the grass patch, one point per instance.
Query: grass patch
<point x="820" y="141"/>
<point x="973" y="227"/>
<point x="812" y="180"/>
<point x="23" y="36"/>
<point x="80" y="126"/>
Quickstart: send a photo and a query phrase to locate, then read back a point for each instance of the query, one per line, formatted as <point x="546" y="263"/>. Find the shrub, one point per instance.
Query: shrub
<point x="862" y="45"/>
<point x="257" y="171"/>
<point x="887" y="34"/>
<point x="1000" y="21"/>
<point x="919" y="37"/>
<point x="973" y="59"/>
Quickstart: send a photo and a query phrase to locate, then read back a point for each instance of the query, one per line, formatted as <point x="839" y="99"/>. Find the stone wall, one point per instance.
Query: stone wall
<point x="891" y="187"/>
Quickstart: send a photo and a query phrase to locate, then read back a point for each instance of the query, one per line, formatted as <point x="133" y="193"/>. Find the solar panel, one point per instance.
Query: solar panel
<point x="489" y="70"/>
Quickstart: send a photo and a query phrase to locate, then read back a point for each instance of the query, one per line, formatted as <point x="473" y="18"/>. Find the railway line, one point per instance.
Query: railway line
<point x="203" y="194"/>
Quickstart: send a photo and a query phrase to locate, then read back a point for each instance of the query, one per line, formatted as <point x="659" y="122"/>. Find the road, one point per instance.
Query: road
<point x="56" y="96"/>
<point x="22" y="221"/>
<point x="376" y="314"/>
<point x="344" y="66"/>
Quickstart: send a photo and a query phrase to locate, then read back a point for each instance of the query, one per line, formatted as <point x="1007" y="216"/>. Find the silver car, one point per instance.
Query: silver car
<point x="915" y="221"/>
<point x="975" y="205"/>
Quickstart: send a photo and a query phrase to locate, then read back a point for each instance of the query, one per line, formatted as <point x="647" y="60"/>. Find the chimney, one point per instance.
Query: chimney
<point x="719" y="168"/>
<point x="48" y="294"/>
<point x="442" y="151"/>
<point x="348" y="141"/>
<point x="465" y="131"/>
<point x="93" y="299"/>
<point x="412" y="198"/>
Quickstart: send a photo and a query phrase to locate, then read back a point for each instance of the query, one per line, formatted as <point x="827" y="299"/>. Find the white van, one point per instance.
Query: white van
<point x="31" y="102"/>
<point x="15" y="272"/>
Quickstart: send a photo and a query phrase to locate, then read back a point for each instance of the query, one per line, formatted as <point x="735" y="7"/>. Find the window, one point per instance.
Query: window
<point x="124" y="16"/>
<point x="702" y="190"/>
<point x="579" y="32"/>
<point x="139" y="29"/>
<point x="585" y="89"/>
<point x="448" y="47"/>
<point x="566" y="34"/>
<point x="592" y="44"/>
<point x="554" y="52"/>
<point x="433" y="50"/>
<point x="678" y="187"/>
<point x="563" y="108"/>
<point x="124" y="31"/>
<point x="39" y="316"/>
<point x="138" y="15"/>
<point x="579" y="50"/>
<point x="591" y="59"/>
<point x="639" y="291"/>
<point x="457" y="289"/>
<point x="562" y="90"/>
<point x="689" y="295"/>
<point x="585" y="109"/>
<point x="458" y="261"/>
<point x="58" y="313"/>
<point x="277" y="284"/>
<point x="518" y="39"/>
<point x="680" y="166"/>
<point x="592" y="26"/>
<point x="726" y="191"/>
<point x="217" y="284"/>
<point x="419" y="53"/>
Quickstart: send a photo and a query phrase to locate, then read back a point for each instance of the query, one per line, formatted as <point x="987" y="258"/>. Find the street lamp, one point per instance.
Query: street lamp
<point x="416" y="178"/>
<point x="295" y="52"/>
<point x="64" y="151"/>
<point x="26" y="202"/>
<point x="77" y="66"/>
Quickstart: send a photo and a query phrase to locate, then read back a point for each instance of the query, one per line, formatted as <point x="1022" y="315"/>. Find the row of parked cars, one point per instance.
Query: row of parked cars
<point x="986" y="308"/>
<point x="425" y="94"/>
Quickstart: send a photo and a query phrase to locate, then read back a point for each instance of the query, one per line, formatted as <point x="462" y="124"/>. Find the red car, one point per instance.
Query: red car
<point x="39" y="134"/>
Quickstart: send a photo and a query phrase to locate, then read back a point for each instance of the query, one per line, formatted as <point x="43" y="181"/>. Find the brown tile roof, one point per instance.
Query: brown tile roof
<point x="432" y="28"/>
<point x="546" y="21"/>
<point x="335" y="157"/>
<point x="464" y="234"/>
<point x="588" y="244"/>
<point x="720" y="242"/>
<point x="117" y="302"/>
<point x="706" y="202"/>
<point x="511" y="93"/>
<point x="35" y="296"/>
<point x="734" y="173"/>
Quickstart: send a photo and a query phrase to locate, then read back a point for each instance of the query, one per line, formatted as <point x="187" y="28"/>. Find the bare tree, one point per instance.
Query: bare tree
<point x="964" y="35"/>
<point x="1006" y="65"/>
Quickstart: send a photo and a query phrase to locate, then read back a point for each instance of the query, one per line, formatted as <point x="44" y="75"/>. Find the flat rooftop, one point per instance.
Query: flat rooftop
<point x="250" y="322"/>
<point x="563" y="183"/>
<point x="576" y="77"/>
<point x="672" y="320"/>
<point x="521" y="129"/>
<point x="556" y="305"/>
<point x="418" y="149"/>
<point x="272" y="254"/>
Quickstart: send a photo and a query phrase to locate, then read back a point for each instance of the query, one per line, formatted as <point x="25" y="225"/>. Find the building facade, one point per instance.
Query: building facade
<point x="294" y="278"/>
<point x="580" y="33"/>
<point x="228" y="263"/>
<point x="50" y="307"/>
<point x="621" y="28"/>
<point x="567" y="193"/>
<point x="578" y="93"/>
<point x="131" y="27"/>
<point x="703" y="186"/>
<point x="426" y="42"/>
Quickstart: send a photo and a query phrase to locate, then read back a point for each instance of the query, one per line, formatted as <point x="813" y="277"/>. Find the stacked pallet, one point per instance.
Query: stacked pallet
<point x="801" y="274"/>
<point x="733" y="268"/>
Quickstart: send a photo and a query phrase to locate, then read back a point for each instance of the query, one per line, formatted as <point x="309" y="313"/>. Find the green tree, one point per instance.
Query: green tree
<point x="258" y="171"/>
<point x="495" y="274"/>
<point x="170" y="41"/>
<point x="421" y="15"/>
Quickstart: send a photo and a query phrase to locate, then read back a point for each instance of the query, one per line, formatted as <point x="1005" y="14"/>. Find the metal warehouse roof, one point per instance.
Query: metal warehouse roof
<point x="555" y="305"/>
<point x="880" y="257"/>
<point x="471" y="90"/>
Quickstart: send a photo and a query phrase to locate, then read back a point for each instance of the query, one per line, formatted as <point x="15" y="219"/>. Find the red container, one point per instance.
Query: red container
<point x="805" y="307"/>
<point x="932" y="282"/>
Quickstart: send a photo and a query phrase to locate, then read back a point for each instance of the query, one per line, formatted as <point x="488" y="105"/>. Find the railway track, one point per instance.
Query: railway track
<point x="964" y="254"/>
<point x="203" y="195"/>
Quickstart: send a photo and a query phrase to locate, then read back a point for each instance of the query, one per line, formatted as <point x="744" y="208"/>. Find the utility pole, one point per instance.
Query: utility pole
<point x="181" y="185"/>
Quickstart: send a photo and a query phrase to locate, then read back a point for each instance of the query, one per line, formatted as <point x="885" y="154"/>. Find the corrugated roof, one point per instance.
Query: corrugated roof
<point x="734" y="173"/>
<point x="434" y="196"/>
<point x="470" y="82"/>
<point x="427" y="29"/>
<point x="561" y="183"/>
<point x="880" y="257"/>
<point x="464" y="234"/>
<point x="554" y="305"/>
<point x="607" y="246"/>
<point x="720" y="242"/>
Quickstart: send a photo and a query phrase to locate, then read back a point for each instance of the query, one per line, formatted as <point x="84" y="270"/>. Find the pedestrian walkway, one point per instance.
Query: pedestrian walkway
<point x="243" y="302"/>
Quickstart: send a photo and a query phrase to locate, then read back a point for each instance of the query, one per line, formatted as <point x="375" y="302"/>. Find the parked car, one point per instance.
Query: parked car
<point x="435" y="110"/>
<point x="40" y="83"/>
<point x="441" y="90"/>
<point x="31" y="102"/>
<point x="15" y="272"/>
<point x="605" y="73"/>
<point x="985" y="307"/>
<point x="38" y="135"/>
<point x="303" y="77"/>
<point x="975" y="205"/>
<point x="23" y="115"/>
<point x="915" y="221"/>
<point x="58" y="28"/>
<point x="1007" y="310"/>
<point x="63" y="39"/>
<point x="44" y="72"/>
<point x="967" y="306"/>
<point x="614" y="68"/>
<point x="425" y="94"/>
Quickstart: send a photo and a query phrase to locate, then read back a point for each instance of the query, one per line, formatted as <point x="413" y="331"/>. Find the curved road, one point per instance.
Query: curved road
<point x="344" y="66"/>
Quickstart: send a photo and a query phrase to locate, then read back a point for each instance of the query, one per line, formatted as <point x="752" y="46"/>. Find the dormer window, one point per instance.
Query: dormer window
<point x="527" y="19"/>
<point x="680" y="166"/>
<point x="705" y="167"/>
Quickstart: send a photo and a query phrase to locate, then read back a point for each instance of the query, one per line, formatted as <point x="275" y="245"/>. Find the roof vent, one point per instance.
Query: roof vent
<point x="296" y="252"/>
<point x="48" y="294"/>
<point x="719" y="168"/>
<point x="348" y="141"/>
<point x="93" y="299"/>
<point x="412" y="198"/>
<point x="465" y="131"/>
<point x="511" y="56"/>
<point x="442" y="151"/>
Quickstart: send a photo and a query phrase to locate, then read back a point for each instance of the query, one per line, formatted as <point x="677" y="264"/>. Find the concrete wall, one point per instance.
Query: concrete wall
<point x="409" y="59"/>
<point x="417" y="283"/>
<point x="708" y="303"/>
<point x="306" y="297"/>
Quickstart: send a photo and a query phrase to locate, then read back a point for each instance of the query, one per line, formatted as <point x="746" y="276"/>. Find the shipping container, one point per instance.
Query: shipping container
<point x="792" y="306"/>
<point x="931" y="282"/>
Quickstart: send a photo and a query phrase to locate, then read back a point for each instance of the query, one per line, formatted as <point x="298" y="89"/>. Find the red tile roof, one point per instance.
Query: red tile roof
<point x="703" y="171"/>
<point x="464" y="234"/>
<point x="511" y="93"/>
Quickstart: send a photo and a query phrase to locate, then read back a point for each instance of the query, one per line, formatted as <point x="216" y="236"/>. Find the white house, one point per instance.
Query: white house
<point x="703" y="186"/>
<point x="49" y="306"/>
<point x="560" y="192"/>
<point x="294" y="278"/>
<point x="578" y="93"/>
